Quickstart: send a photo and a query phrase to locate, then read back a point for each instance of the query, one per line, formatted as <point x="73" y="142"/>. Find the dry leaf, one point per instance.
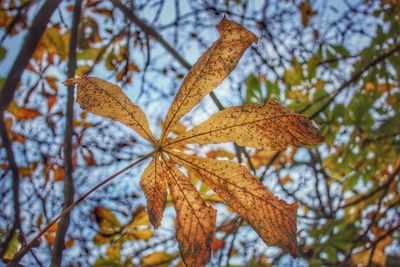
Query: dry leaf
<point x="272" y="218"/>
<point x="22" y="113"/>
<point x="155" y="190"/>
<point x="106" y="99"/>
<point x="195" y="220"/>
<point x="268" y="126"/>
<point x="210" y="70"/>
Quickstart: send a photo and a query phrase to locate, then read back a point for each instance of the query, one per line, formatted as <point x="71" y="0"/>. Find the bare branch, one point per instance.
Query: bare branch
<point x="69" y="188"/>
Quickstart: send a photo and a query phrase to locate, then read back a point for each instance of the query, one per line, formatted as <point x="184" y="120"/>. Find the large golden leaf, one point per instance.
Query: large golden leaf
<point x="273" y="219"/>
<point x="154" y="187"/>
<point x="106" y="99"/>
<point x="195" y="220"/>
<point x="268" y="126"/>
<point x="210" y="70"/>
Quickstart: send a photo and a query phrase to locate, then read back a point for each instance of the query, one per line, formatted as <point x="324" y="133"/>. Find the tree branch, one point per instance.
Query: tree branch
<point x="6" y="95"/>
<point x="355" y="78"/>
<point x="69" y="190"/>
<point x="15" y="185"/>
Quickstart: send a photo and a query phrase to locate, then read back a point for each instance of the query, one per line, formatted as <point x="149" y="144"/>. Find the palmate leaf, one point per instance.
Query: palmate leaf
<point x="268" y="126"/>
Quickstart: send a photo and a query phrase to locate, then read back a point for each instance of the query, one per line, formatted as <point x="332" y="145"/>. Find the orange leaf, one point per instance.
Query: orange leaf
<point x="105" y="99"/>
<point x="195" y="220"/>
<point x="155" y="190"/>
<point x="19" y="138"/>
<point x="218" y="244"/>
<point x="51" y="101"/>
<point x="268" y="126"/>
<point x="59" y="174"/>
<point x="52" y="81"/>
<point x="273" y="219"/>
<point x="22" y="113"/>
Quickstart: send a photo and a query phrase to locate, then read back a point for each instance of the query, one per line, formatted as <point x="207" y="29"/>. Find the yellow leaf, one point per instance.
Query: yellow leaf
<point x="210" y="70"/>
<point x="268" y="126"/>
<point x="220" y="153"/>
<point x="12" y="248"/>
<point x="106" y="219"/>
<point x="159" y="259"/>
<point x="113" y="251"/>
<point x="106" y="99"/>
<point x="261" y="158"/>
<point x="273" y="219"/>
<point x="139" y="217"/>
<point x="362" y="258"/>
<point x="155" y="190"/>
<point x="132" y="234"/>
<point x="195" y="220"/>
<point x="178" y="128"/>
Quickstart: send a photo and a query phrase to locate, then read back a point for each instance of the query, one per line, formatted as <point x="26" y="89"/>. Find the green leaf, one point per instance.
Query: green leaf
<point x="341" y="50"/>
<point x="89" y="53"/>
<point x="253" y="90"/>
<point x="273" y="89"/>
<point x="293" y="76"/>
<point x="3" y="52"/>
<point x="12" y="248"/>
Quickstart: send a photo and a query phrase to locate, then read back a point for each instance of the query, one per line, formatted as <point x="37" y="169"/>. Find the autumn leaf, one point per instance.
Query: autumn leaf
<point x="268" y="126"/>
<point x="272" y="218"/>
<point x="155" y="190"/>
<point x="195" y="220"/>
<point x="159" y="259"/>
<point x="106" y="99"/>
<point x="22" y="113"/>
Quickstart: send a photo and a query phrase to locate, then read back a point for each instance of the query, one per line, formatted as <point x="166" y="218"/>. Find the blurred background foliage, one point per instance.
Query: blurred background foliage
<point x="337" y="62"/>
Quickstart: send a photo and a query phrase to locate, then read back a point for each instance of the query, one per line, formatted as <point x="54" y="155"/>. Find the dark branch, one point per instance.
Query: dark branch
<point x="69" y="190"/>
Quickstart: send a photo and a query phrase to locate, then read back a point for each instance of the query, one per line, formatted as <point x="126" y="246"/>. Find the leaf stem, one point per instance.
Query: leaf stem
<point x="67" y="210"/>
